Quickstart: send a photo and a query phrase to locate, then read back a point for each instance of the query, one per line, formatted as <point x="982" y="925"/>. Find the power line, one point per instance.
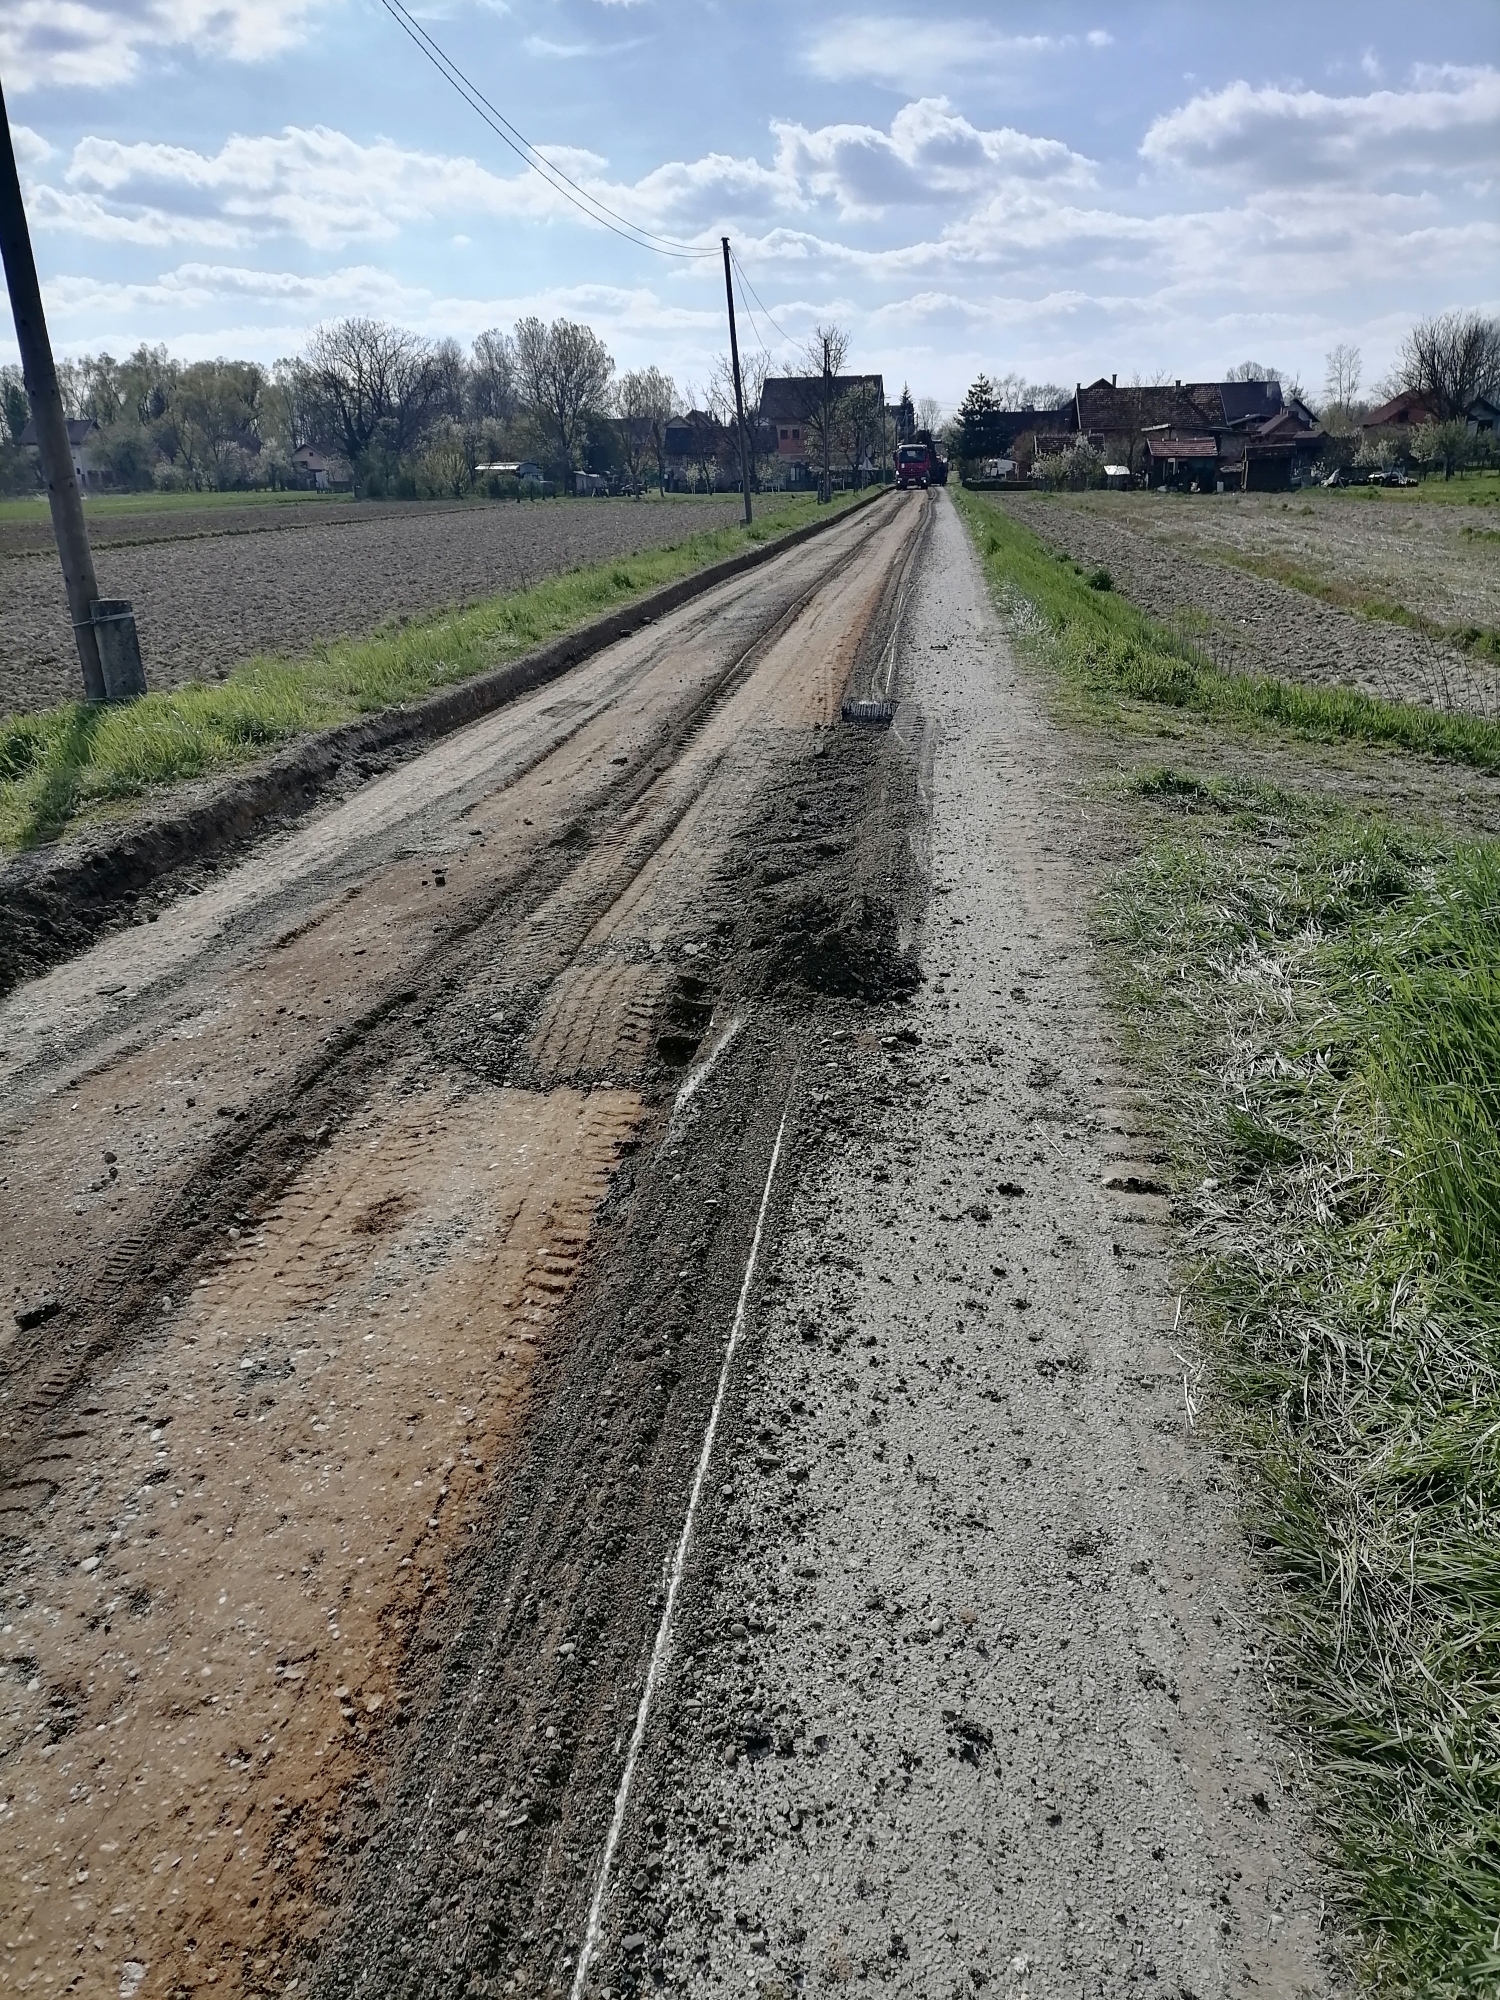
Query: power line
<point x="760" y="301"/>
<point x="562" y="183"/>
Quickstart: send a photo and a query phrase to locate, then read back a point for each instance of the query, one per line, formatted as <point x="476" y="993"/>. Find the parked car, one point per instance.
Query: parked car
<point x="1343" y="476"/>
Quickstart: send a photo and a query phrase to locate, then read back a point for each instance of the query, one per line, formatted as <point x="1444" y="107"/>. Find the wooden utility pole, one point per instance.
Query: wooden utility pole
<point x="108" y="652"/>
<point x="825" y="490"/>
<point x="739" y="399"/>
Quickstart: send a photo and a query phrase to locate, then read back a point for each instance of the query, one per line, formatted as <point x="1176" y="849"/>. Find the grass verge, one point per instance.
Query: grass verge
<point x="1110" y="652"/>
<point x="61" y="764"/>
<point x="1315" y="996"/>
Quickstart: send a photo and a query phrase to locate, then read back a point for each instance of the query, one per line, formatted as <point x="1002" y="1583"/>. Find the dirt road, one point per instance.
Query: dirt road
<point x="377" y="1222"/>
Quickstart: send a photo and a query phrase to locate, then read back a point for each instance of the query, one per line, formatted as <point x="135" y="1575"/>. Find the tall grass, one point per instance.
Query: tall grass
<point x="1317" y="996"/>
<point x="1111" y="652"/>
<point x="65" y="762"/>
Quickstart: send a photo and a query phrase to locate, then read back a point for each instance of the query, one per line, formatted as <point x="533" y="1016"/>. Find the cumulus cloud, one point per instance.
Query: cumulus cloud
<point x="308" y="182"/>
<point x="1448" y="121"/>
<point x="902" y="51"/>
<point x="931" y="155"/>
<point x="96" y="43"/>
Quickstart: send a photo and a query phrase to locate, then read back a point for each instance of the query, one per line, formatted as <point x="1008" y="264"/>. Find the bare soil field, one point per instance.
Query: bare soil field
<point x="213" y="587"/>
<point x="1177" y="559"/>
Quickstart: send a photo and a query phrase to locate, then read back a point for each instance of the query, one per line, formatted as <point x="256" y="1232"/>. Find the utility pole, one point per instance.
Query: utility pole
<point x="104" y="629"/>
<point x="825" y="489"/>
<point x="739" y="399"/>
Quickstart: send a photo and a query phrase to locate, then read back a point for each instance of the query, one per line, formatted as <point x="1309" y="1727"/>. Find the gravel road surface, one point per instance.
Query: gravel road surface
<point x="389" y="1208"/>
<point x="1162" y="554"/>
<point x="278" y="580"/>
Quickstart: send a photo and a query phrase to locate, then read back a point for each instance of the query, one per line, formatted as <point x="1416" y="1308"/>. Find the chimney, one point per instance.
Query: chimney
<point x="1178" y="383"/>
<point x="1114" y="381"/>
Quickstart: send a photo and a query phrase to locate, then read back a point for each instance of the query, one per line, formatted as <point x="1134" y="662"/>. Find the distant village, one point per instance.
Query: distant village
<point x="375" y="409"/>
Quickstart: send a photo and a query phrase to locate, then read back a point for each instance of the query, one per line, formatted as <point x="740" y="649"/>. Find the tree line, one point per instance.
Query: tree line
<point x="401" y="414"/>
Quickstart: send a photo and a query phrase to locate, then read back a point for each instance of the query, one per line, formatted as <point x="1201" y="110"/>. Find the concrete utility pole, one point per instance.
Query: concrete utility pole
<point x="104" y="629"/>
<point x="825" y="489"/>
<point x="739" y="399"/>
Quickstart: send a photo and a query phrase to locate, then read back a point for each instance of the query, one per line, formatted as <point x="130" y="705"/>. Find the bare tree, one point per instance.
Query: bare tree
<point x="929" y="413"/>
<point x="492" y="385"/>
<point x="564" y="372"/>
<point x="1342" y="369"/>
<point x="1452" y="358"/>
<point x="450" y="379"/>
<point x="369" y="385"/>
<point x="824" y="356"/>
<point x="861" y="418"/>
<point x="754" y="368"/>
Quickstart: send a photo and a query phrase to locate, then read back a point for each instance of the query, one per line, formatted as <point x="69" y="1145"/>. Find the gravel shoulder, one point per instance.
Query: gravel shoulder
<point x="965" y="1696"/>
<point x="1161" y="554"/>
<point x="207" y="600"/>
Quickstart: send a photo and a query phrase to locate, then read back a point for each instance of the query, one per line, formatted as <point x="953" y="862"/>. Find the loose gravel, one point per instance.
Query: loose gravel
<point x="207" y="600"/>
<point x="966" y="1699"/>
<point x="1160" y="554"/>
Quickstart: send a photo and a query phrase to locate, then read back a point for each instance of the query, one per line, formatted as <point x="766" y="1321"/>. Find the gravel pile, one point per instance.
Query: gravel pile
<point x="1247" y="623"/>
<point x="240" y="584"/>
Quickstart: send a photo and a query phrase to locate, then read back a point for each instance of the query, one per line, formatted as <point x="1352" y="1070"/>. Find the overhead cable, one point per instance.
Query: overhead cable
<point x="530" y="155"/>
<point x="760" y="301"/>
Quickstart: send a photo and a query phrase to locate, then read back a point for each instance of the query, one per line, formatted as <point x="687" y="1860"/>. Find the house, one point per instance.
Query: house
<point x="1261" y="442"/>
<point x="84" y="438"/>
<point x="792" y="404"/>
<point x="1401" y="414"/>
<point x="1480" y="417"/>
<point x="1186" y="464"/>
<point x="700" y="452"/>
<point x="320" y="470"/>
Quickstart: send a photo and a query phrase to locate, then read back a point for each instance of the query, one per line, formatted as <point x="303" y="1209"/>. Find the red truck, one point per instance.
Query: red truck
<point x="914" y="465"/>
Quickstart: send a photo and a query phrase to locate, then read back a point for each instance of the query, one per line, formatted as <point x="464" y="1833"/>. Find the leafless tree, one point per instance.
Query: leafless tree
<point x="929" y="413"/>
<point x="450" y="379"/>
<point x="861" y="418"/>
<point x="1343" y="367"/>
<point x="564" y="372"/>
<point x="1453" y="358"/>
<point x="754" y="368"/>
<point x="824" y="356"/>
<point x="370" y="385"/>
<point x="492" y="387"/>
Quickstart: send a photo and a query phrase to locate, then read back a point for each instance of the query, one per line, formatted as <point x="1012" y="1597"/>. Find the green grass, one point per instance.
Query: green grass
<point x="1465" y="489"/>
<point x="1110" y="653"/>
<point x="100" y="506"/>
<point x="1315" y="996"/>
<point x="66" y="763"/>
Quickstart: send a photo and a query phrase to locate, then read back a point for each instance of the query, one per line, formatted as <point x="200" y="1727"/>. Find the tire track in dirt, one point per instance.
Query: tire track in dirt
<point x="220" y="1575"/>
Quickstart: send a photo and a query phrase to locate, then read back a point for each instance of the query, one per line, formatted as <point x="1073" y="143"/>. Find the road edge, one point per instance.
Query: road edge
<point x="58" y="903"/>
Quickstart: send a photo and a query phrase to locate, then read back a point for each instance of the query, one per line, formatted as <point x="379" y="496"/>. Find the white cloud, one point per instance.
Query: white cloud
<point x="1447" y="122"/>
<point x="930" y="156"/>
<point x="98" y="43"/>
<point x="31" y="149"/>
<point x="907" y="51"/>
<point x="308" y="182"/>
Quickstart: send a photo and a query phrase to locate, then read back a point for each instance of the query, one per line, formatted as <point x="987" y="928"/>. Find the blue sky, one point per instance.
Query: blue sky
<point x="1059" y="190"/>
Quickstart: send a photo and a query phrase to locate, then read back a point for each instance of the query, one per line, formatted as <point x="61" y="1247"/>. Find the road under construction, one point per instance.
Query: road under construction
<point x="591" y="1404"/>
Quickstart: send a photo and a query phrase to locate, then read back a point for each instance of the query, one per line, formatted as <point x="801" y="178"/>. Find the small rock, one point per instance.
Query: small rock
<point x="36" y="1313"/>
<point x="89" y="1565"/>
<point x="633" y="1943"/>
